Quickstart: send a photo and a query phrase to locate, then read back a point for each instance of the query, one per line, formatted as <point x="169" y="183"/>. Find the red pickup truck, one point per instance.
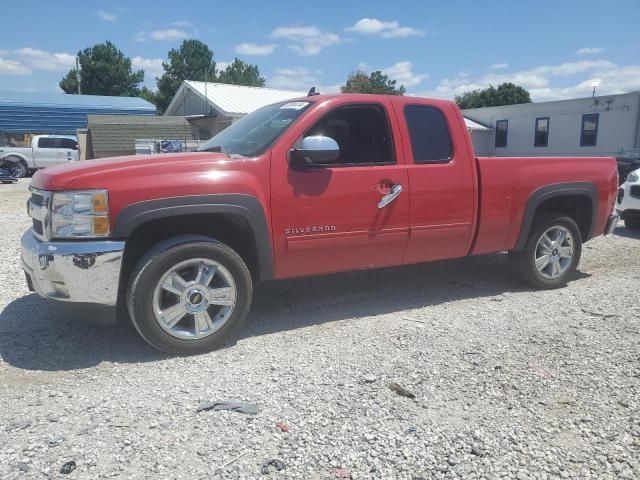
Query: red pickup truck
<point x="319" y="184"/>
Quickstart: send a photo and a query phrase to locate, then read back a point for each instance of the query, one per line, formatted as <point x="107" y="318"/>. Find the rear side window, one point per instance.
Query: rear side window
<point x="429" y="133"/>
<point x="48" y="142"/>
<point x="502" y="127"/>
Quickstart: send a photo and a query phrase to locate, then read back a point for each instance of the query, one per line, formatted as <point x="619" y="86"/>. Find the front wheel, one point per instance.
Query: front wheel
<point x="551" y="254"/>
<point x="188" y="294"/>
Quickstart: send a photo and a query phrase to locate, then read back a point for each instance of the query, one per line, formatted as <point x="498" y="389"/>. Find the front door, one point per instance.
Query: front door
<point x="330" y="219"/>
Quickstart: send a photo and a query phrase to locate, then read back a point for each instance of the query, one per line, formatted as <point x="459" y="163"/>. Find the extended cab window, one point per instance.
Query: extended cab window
<point x="361" y="131"/>
<point x="48" y="142"/>
<point x="430" y="139"/>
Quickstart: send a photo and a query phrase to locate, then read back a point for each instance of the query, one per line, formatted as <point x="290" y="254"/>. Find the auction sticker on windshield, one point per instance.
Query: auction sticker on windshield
<point x="294" y="105"/>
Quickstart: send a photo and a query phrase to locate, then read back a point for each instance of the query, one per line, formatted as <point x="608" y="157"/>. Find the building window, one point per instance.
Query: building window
<point x="429" y="132"/>
<point x="541" y="135"/>
<point x="502" y="127"/>
<point x="589" y="130"/>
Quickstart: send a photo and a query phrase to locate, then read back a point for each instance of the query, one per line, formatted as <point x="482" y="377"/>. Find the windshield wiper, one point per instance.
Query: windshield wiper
<point x="215" y="148"/>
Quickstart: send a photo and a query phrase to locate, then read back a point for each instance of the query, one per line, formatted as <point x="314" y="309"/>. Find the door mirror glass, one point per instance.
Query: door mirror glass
<point x="316" y="149"/>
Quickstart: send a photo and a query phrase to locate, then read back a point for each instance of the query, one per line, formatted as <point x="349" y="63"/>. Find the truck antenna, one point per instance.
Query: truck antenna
<point x="312" y="92"/>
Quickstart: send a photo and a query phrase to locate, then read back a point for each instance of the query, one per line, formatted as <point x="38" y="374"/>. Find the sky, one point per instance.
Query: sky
<point x="556" y="49"/>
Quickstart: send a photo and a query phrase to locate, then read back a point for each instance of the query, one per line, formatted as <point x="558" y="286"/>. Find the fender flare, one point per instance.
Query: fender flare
<point x="538" y="196"/>
<point x="14" y="154"/>
<point x="240" y="205"/>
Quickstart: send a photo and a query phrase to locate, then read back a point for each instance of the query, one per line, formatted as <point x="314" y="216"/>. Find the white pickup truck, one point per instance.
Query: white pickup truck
<point x="45" y="151"/>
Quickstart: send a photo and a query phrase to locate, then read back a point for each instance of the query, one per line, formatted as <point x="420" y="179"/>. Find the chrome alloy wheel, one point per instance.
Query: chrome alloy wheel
<point x="194" y="298"/>
<point x="554" y="252"/>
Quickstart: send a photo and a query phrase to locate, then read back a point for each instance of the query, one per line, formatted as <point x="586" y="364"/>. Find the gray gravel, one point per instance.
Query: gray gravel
<point x="508" y="382"/>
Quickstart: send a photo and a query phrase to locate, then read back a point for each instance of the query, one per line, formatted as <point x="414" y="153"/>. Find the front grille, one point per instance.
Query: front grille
<point x="37" y="198"/>
<point x="38" y="207"/>
<point x="634" y="191"/>
<point x="37" y="227"/>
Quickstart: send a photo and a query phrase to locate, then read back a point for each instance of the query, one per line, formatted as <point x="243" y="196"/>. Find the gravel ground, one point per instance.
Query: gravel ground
<point x="508" y="382"/>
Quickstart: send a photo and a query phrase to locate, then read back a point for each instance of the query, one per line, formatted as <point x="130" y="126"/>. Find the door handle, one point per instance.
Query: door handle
<point x="395" y="191"/>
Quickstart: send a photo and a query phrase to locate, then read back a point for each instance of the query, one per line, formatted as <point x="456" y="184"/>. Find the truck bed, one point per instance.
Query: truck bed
<point x="507" y="183"/>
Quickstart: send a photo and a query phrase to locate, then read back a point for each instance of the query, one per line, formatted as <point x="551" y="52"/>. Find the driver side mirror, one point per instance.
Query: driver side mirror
<point x="315" y="150"/>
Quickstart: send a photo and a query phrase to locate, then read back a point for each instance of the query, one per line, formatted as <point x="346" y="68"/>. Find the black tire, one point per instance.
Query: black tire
<point x="159" y="260"/>
<point x="22" y="169"/>
<point x="524" y="263"/>
<point x="632" y="223"/>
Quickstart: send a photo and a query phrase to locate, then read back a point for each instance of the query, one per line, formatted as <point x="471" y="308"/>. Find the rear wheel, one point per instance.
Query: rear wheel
<point x="187" y="295"/>
<point x="551" y="254"/>
<point x="20" y="170"/>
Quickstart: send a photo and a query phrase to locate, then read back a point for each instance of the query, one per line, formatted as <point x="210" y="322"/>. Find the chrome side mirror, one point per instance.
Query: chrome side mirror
<point x="315" y="150"/>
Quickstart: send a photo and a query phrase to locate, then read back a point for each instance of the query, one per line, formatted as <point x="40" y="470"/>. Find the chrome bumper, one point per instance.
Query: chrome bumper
<point x="611" y="223"/>
<point x="83" y="271"/>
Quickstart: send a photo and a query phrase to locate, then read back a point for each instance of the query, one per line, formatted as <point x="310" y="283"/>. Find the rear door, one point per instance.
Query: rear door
<point x="328" y="219"/>
<point x="68" y="150"/>
<point x="442" y="179"/>
<point x="45" y="152"/>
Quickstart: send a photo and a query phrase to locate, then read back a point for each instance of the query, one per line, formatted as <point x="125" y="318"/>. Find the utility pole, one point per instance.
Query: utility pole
<point x="206" y="99"/>
<point x="78" y="75"/>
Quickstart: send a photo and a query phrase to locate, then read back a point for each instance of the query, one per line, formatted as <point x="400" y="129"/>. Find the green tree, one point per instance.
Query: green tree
<point x="241" y="73"/>
<point x="148" y="94"/>
<point x="376" y="82"/>
<point x="506" y="94"/>
<point x="105" y="70"/>
<point x="192" y="61"/>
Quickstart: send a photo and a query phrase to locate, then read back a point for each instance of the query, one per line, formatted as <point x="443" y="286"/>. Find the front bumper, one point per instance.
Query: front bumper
<point x="82" y="271"/>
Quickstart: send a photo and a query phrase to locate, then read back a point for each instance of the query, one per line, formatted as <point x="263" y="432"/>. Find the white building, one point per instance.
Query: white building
<point x="600" y="125"/>
<point x="214" y="106"/>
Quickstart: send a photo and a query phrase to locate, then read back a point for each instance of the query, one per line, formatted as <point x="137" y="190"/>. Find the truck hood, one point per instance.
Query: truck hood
<point x="103" y="173"/>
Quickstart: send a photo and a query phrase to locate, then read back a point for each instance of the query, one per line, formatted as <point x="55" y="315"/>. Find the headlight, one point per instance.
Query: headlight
<point x="633" y="177"/>
<point x="80" y="213"/>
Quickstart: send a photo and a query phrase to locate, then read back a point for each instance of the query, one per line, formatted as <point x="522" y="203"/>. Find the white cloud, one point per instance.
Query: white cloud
<point x="373" y="26"/>
<point x="222" y="65"/>
<point x="180" y="30"/>
<point x="151" y="66"/>
<point x="255" y="49"/>
<point x="500" y="65"/>
<point x="168" y="34"/>
<point x="43" y="60"/>
<point x="12" y="67"/>
<point x="590" y="50"/>
<point x="551" y="82"/>
<point x="107" y="16"/>
<point x="299" y="78"/>
<point x="306" y="40"/>
<point x="403" y="74"/>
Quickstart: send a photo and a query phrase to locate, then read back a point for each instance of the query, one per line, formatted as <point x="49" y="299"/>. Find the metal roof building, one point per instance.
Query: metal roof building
<point x="200" y="98"/>
<point x="24" y="112"/>
<point x="116" y="135"/>
<point x="214" y="106"/>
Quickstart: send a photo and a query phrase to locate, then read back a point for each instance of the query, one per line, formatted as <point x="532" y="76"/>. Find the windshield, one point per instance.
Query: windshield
<point x="253" y="134"/>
